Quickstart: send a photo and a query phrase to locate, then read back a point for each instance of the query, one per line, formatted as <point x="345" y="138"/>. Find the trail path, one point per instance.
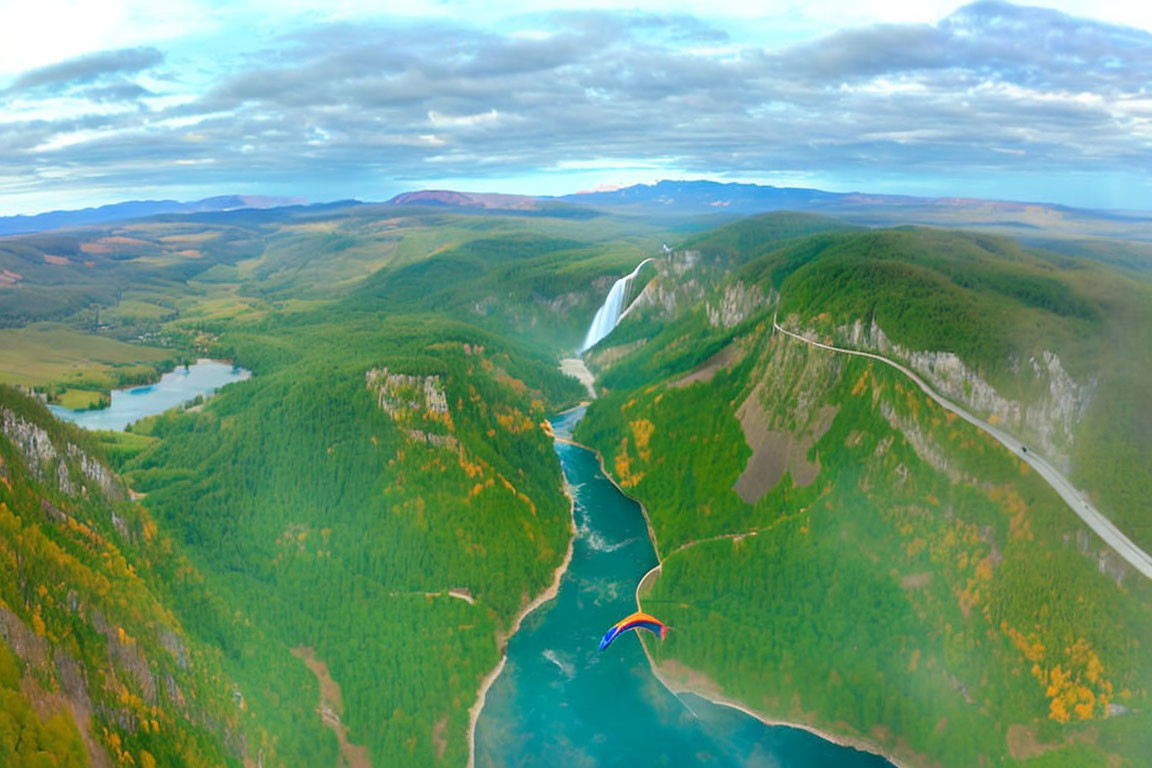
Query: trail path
<point x="1112" y="536"/>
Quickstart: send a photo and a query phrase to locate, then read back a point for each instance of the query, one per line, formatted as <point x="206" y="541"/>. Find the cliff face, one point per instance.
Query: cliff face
<point x="96" y="657"/>
<point x="737" y="303"/>
<point x="1047" y="414"/>
<point x="70" y="467"/>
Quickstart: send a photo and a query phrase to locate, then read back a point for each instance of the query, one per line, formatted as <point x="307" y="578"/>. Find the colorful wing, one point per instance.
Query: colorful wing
<point x="638" y="620"/>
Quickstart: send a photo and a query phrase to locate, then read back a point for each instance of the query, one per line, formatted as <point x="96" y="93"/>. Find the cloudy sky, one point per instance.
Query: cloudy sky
<point x="108" y="100"/>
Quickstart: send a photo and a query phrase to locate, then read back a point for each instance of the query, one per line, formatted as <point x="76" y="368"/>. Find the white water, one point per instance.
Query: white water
<point x="609" y="313"/>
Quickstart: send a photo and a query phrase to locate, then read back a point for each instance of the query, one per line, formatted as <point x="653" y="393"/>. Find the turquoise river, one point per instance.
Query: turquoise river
<point x="562" y="702"/>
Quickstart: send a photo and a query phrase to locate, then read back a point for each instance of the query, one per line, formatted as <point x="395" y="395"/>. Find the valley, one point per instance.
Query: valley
<point x="531" y="384"/>
<point x="382" y="509"/>
<point x="900" y="557"/>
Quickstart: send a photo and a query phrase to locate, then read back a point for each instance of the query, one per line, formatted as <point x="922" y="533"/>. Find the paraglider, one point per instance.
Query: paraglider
<point x="638" y="620"/>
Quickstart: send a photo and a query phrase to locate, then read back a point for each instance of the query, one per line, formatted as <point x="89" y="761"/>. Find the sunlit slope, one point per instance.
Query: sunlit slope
<point x="1052" y="349"/>
<point x="99" y="665"/>
<point x="840" y="551"/>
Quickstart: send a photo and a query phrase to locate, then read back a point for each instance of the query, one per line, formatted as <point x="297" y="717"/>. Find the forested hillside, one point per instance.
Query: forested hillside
<point x="840" y="551"/>
<point x="378" y="503"/>
<point x="97" y="665"/>
<point x="397" y="545"/>
<point x="324" y="561"/>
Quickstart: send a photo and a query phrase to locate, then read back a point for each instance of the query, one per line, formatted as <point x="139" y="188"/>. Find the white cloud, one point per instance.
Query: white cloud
<point x="591" y="97"/>
<point x="36" y="33"/>
<point x="438" y="120"/>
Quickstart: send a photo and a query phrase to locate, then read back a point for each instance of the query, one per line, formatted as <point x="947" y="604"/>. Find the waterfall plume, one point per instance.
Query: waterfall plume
<point x="609" y="313"/>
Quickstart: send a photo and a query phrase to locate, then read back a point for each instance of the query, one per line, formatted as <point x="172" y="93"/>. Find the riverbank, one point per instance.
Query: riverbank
<point x="698" y="684"/>
<point x="705" y="688"/>
<point x="542" y="598"/>
<point x="643" y="509"/>
<point x="573" y="367"/>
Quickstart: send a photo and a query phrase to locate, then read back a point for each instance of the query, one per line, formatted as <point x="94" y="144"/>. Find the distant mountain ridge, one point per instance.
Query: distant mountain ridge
<point x="1042" y="224"/>
<point x="704" y="195"/>
<point x="449" y="197"/>
<point x="1039" y="222"/>
<point x="699" y="198"/>
<point x="756" y="198"/>
<point x="135" y="209"/>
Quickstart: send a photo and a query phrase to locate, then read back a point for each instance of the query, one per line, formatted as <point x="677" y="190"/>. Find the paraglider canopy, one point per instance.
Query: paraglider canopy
<point x="638" y="620"/>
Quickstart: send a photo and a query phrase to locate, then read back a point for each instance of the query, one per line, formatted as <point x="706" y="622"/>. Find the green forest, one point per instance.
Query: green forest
<point x="294" y="512"/>
<point x="902" y="579"/>
<point x="382" y="496"/>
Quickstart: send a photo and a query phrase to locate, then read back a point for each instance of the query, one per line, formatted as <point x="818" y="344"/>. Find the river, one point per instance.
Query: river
<point x="561" y="701"/>
<point x="174" y="388"/>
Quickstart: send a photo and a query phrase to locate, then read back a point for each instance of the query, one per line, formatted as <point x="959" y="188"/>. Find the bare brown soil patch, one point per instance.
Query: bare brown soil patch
<point x="57" y="260"/>
<point x="706" y="370"/>
<point x="1023" y="743"/>
<point x="438" y="740"/>
<point x="331" y="709"/>
<point x="121" y="240"/>
<point x="765" y="467"/>
<point x="775" y="451"/>
<point x="190" y="238"/>
<point x="916" y="580"/>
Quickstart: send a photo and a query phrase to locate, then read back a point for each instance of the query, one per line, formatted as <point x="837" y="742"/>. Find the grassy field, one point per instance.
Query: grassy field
<point x="82" y="399"/>
<point x="53" y="353"/>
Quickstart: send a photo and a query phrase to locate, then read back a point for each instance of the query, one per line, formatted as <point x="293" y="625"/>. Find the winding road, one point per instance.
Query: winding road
<point x="1112" y="536"/>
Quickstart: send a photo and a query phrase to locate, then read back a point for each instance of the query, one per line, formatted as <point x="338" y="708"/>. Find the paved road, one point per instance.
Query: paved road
<point x="1112" y="536"/>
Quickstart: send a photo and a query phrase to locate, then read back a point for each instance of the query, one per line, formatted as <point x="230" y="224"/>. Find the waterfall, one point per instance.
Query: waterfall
<point x="609" y="313"/>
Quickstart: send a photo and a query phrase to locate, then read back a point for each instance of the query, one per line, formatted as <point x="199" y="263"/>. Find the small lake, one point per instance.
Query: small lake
<point x="174" y="388"/>
<point x="560" y="701"/>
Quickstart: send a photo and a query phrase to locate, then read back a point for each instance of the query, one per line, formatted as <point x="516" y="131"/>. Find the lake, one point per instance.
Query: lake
<point x="174" y="388"/>
<point x="561" y="701"/>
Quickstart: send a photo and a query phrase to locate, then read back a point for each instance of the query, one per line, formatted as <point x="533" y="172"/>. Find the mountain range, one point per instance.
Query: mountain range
<point x="679" y="198"/>
<point x="136" y="209"/>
